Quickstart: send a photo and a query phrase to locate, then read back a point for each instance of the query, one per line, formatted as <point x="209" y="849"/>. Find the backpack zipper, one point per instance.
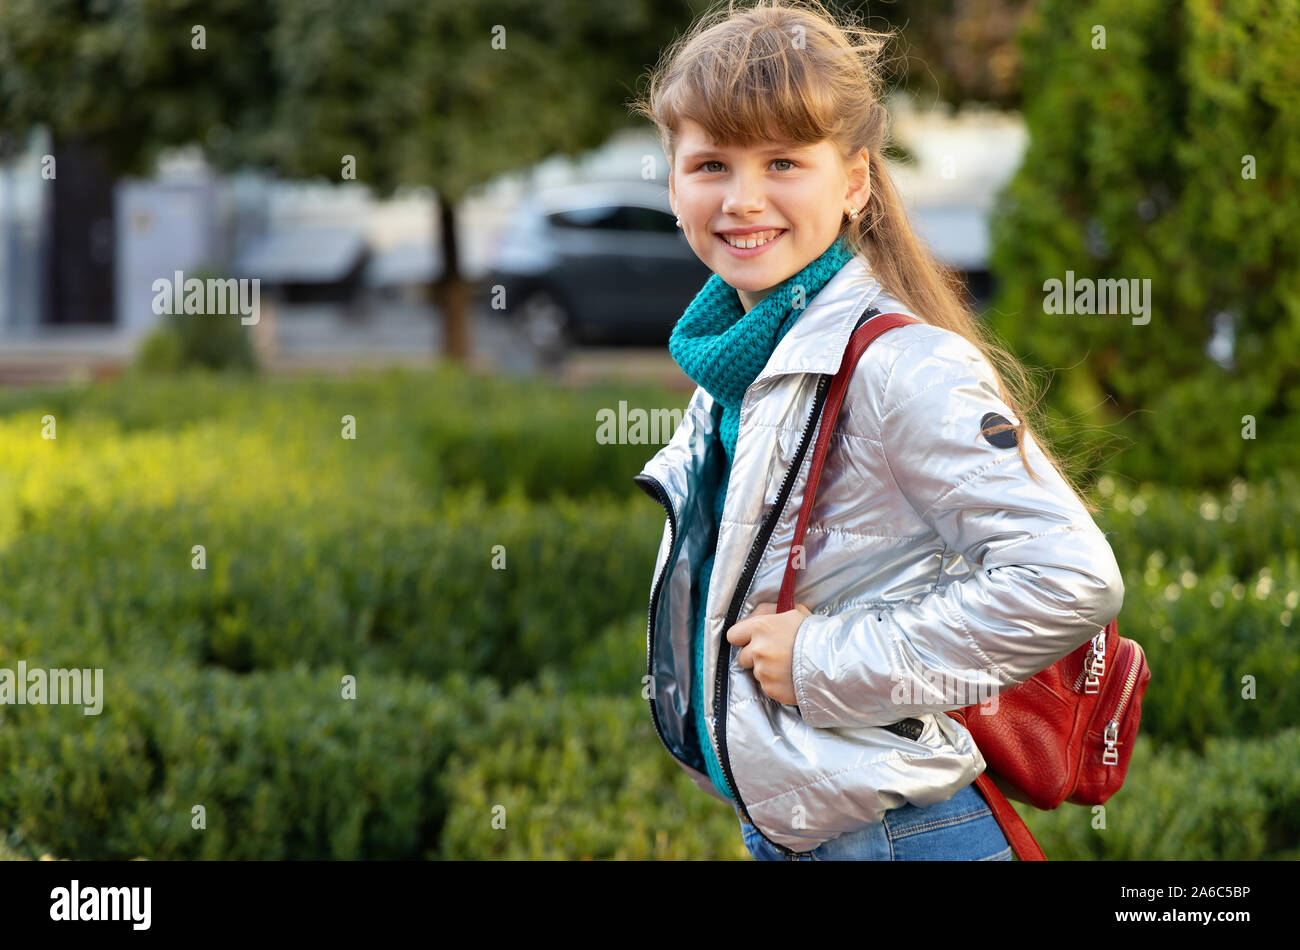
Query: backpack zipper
<point x="1089" y="680"/>
<point x="742" y="589"/>
<point x="1094" y="664"/>
<point x="1110" y="754"/>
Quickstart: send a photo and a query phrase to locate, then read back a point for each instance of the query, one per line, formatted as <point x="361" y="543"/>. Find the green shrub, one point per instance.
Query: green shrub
<point x="541" y="455"/>
<point x="1239" y="801"/>
<point x="212" y="341"/>
<point x="581" y="776"/>
<point x="612" y="662"/>
<point x="381" y="589"/>
<point x="196" y="341"/>
<point x="447" y="428"/>
<point x="1203" y="634"/>
<point x="318" y="548"/>
<point x="283" y="766"/>
<point x="374" y="557"/>
<point x="161" y="351"/>
<point x="1238" y="530"/>
<point x="578" y="777"/>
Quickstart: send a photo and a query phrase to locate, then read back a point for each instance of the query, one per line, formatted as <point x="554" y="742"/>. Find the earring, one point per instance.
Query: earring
<point x="679" y="222"/>
<point x="853" y="214"/>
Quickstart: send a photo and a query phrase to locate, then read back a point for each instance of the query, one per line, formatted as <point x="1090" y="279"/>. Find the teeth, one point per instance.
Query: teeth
<point x="750" y="240"/>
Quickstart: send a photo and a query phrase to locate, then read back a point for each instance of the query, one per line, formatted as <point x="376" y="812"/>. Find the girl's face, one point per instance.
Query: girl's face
<point x="794" y="196"/>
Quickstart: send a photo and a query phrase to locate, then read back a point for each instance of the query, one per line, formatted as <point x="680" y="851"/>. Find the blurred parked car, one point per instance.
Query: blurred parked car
<point x="594" y="263"/>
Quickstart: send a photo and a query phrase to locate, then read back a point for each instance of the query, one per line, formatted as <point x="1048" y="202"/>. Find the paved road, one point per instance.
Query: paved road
<point x="337" y="338"/>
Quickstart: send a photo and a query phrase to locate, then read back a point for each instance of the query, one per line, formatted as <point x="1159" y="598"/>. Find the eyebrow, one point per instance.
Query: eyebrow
<point x="771" y="150"/>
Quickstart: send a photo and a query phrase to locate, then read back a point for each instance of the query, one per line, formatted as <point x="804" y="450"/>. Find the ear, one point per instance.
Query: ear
<point x="859" y="180"/>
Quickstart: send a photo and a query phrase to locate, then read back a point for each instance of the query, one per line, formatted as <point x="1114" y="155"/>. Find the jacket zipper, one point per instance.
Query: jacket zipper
<point x="657" y="490"/>
<point x="742" y="589"/>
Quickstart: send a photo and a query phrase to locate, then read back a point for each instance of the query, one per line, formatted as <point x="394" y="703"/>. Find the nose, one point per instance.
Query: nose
<point x="744" y="196"/>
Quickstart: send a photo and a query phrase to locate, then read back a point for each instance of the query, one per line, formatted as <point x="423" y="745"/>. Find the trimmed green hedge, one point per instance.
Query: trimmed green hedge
<point x="582" y="776"/>
<point x="445" y="429"/>
<point x="561" y="774"/>
<point x="379" y="589"/>
<point x="374" y="558"/>
<point x="1239" y="801"/>
<point x="286" y="768"/>
<point x="282" y="764"/>
<point x="612" y="662"/>
<point x="1239" y="530"/>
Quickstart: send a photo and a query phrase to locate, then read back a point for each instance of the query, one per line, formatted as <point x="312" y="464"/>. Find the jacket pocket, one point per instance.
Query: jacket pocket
<point x="909" y="728"/>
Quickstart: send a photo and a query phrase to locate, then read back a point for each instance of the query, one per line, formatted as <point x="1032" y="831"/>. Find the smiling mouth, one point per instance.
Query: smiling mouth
<point x="745" y="242"/>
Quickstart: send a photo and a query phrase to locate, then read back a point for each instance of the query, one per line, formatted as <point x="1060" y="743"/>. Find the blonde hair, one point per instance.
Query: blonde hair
<point x="788" y="70"/>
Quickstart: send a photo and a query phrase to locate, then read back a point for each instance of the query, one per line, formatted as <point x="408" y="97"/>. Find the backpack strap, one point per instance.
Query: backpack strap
<point x="870" y="325"/>
<point x="1017" y="833"/>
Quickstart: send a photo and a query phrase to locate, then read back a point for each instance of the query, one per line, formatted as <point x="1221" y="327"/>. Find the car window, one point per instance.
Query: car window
<point x="648" y="219"/>
<point x="616" y="218"/>
<point x="604" y="218"/>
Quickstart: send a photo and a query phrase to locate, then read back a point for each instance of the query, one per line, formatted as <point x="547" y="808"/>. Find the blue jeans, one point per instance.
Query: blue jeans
<point x="961" y="829"/>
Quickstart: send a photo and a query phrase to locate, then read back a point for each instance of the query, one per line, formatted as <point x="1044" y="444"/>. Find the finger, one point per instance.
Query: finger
<point x="740" y="633"/>
<point x="744" y="659"/>
<point x="764" y="608"/>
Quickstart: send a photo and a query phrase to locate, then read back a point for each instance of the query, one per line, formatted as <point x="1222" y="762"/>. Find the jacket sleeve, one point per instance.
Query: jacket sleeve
<point x="1044" y="579"/>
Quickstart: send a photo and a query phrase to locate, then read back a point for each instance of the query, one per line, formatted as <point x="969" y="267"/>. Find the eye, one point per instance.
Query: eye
<point x="788" y="161"/>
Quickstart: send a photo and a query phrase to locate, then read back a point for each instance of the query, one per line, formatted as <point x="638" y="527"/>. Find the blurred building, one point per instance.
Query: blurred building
<point x="961" y="163"/>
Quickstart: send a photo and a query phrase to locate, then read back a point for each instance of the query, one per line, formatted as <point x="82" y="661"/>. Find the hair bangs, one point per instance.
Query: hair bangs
<point x="753" y="89"/>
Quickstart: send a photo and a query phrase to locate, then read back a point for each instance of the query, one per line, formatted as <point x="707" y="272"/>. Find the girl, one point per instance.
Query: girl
<point x="938" y="566"/>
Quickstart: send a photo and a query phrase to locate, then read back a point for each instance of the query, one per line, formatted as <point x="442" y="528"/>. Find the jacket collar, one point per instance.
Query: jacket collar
<point x="818" y="339"/>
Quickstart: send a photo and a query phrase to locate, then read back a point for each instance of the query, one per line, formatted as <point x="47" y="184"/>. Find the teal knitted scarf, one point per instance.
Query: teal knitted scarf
<point x="723" y="349"/>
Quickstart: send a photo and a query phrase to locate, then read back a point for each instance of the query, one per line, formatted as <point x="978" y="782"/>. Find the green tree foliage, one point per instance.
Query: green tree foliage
<point x="1140" y="167"/>
<point x="953" y="51"/>
<point x="131" y="78"/>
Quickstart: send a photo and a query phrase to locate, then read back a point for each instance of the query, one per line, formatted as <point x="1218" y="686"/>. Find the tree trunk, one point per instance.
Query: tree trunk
<point x="79" y="269"/>
<point x="452" y="292"/>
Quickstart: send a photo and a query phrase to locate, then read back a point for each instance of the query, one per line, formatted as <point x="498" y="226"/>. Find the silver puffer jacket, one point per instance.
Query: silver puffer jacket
<point x="936" y="567"/>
